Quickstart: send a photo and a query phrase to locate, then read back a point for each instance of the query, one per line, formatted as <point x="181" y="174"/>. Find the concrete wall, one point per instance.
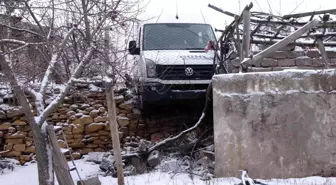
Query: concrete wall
<point x="275" y="124"/>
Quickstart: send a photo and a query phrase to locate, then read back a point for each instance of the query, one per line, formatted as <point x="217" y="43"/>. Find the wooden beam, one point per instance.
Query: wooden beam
<point x="323" y="52"/>
<point x="246" y="33"/>
<point x="282" y="43"/>
<point x="305" y="14"/>
<point x="112" y="117"/>
<point x="296" y="43"/>
<point x="239" y="45"/>
<point x="246" y="37"/>
<point x="61" y="166"/>
<point x="237" y="20"/>
<point x="221" y="10"/>
<point x="269" y="36"/>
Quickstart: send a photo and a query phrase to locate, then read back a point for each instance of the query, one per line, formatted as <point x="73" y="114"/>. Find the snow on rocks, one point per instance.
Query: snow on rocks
<point x="6" y="164"/>
<point x="96" y="157"/>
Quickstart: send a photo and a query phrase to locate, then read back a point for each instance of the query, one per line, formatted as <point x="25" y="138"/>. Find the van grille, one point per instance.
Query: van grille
<point x="178" y="72"/>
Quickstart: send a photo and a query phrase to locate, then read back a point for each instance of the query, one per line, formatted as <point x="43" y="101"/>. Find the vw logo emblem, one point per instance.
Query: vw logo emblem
<point x="189" y="71"/>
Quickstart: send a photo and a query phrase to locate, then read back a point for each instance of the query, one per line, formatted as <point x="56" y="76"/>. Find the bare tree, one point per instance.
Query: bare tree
<point x="68" y="45"/>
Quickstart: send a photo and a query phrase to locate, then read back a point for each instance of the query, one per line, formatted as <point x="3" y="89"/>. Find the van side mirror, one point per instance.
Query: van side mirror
<point x="133" y="49"/>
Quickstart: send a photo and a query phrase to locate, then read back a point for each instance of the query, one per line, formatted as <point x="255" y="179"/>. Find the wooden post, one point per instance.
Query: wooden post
<point x="246" y="36"/>
<point x="60" y="163"/>
<point x="239" y="44"/>
<point x="112" y="117"/>
<point x="305" y="14"/>
<point x="323" y="52"/>
<point x="246" y="33"/>
<point x="282" y="43"/>
<point x="111" y="113"/>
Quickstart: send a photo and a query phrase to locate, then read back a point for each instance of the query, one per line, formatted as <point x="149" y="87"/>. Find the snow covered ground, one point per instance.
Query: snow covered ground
<point x="27" y="175"/>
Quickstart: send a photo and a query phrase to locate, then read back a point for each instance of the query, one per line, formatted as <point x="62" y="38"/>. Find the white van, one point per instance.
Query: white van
<point x="171" y="61"/>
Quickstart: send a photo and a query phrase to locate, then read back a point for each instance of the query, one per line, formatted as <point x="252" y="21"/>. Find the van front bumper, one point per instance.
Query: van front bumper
<point x="158" y="92"/>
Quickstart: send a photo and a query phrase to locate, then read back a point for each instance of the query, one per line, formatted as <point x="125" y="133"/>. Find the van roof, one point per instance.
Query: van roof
<point x="183" y="17"/>
<point x="176" y="23"/>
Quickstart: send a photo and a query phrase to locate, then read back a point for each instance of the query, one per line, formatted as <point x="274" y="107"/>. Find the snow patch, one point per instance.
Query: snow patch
<point x="94" y="88"/>
<point x="28" y="176"/>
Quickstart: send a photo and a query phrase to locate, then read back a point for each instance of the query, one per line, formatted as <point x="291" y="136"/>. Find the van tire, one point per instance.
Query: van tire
<point x="140" y="104"/>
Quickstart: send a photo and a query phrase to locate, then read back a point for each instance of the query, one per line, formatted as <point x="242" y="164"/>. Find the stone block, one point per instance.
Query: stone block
<point x="268" y="62"/>
<point x="123" y="121"/>
<point x="76" y="155"/>
<point x="85" y="151"/>
<point x="286" y="63"/>
<point x="94" y="127"/>
<point x="30" y="149"/>
<point x="128" y="105"/>
<point x="84" y="120"/>
<point x="119" y="99"/>
<point x="76" y="145"/>
<point x="100" y="119"/>
<point x="25" y="158"/>
<point x="4" y="126"/>
<point x="279" y="55"/>
<point x="8" y="147"/>
<point x="318" y="62"/>
<point x="19" y="147"/>
<point x="91" y="145"/>
<point x="11" y="154"/>
<point x="14" y="112"/>
<point x="295" y="54"/>
<point x="77" y="128"/>
<point x="313" y="54"/>
<point x="331" y="54"/>
<point x="14" y="141"/>
<point x="2" y="114"/>
<point x="94" y="113"/>
<point x="303" y="61"/>
<point x="102" y="109"/>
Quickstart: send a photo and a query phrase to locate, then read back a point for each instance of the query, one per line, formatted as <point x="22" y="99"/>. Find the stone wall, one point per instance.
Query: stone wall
<point x="275" y="124"/>
<point x="284" y="59"/>
<point x="82" y="119"/>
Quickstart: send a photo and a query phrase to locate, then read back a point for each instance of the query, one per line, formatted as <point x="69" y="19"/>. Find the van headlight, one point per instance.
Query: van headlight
<point x="151" y="68"/>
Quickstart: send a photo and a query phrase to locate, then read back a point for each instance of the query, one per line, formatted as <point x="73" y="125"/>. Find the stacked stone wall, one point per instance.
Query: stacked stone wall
<point x="81" y="122"/>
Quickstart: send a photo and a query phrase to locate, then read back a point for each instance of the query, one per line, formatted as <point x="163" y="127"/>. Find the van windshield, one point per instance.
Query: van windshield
<point x="177" y="36"/>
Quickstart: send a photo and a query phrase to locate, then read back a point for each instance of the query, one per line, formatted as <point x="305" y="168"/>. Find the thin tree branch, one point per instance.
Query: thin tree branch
<point x="21" y="30"/>
<point x="53" y="61"/>
<point x="68" y="86"/>
<point x="34" y="17"/>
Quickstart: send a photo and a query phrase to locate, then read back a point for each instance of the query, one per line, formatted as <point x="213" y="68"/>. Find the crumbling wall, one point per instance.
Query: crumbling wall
<point x="280" y="60"/>
<point x="275" y="124"/>
<point x="82" y="117"/>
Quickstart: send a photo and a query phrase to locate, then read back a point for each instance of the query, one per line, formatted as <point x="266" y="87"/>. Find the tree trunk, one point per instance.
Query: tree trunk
<point x="39" y="136"/>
